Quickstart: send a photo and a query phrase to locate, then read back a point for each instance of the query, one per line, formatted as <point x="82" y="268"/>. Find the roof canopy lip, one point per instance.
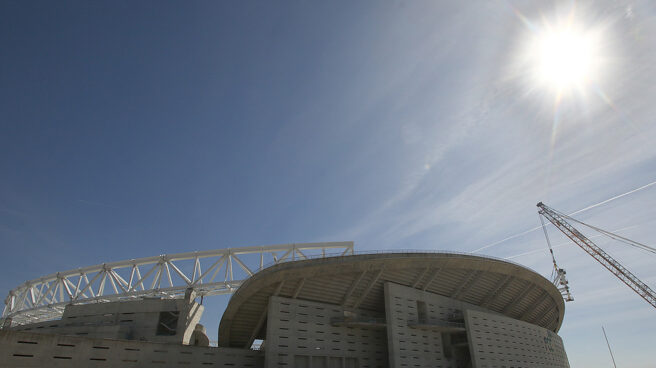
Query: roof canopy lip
<point x="401" y="252"/>
<point x="381" y="255"/>
<point x="275" y="273"/>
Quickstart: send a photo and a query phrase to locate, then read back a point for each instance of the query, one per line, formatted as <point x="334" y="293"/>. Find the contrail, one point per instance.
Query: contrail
<point x="570" y="214"/>
<point x="506" y="239"/>
<point x="614" y="198"/>
<point x="564" y="244"/>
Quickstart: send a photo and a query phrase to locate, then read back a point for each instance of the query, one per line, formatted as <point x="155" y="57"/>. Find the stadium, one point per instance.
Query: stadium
<point x="309" y="307"/>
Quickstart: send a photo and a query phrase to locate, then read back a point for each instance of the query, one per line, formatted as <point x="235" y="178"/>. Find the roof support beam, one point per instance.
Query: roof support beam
<point x="242" y="265"/>
<point x="518" y="297"/>
<point x="301" y="254"/>
<point x="471" y="280"/>
<point x="552" y="325"/>
<point x="534" y="306"/>
<point x="494" y="293"/>
<point x="431" y="279"/>
<point x="88" y="285"/>
<point x="352" y="287"/>
<point x="263" y="316"/>
<point x="298" y="288"/>
<point x="219" y="263"/>
<point x="284" y="256"/>
<point x="420" y="277"/>
<point x="366" y="291"/>
<point x="165" y="275"/>
<point x="278" y="288"/>
<point x="543" y="317"/>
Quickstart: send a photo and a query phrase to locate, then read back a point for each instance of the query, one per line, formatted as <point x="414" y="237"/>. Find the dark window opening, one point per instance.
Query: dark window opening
<point x="168" y="323"/>
<point x="422" y="314"/>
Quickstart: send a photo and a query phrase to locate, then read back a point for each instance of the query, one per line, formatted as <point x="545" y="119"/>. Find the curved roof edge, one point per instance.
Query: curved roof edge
<point x="360" y="263"/>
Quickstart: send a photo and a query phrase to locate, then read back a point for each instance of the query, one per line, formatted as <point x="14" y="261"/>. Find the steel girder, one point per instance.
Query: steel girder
<point x="212" y="272"/>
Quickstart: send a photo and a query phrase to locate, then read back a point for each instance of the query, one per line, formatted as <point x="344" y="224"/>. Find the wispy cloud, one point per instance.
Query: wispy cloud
<point x="514" y="236"/>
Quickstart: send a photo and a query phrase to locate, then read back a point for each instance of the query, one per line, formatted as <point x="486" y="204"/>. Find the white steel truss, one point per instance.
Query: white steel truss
<point x="212" y="272"/>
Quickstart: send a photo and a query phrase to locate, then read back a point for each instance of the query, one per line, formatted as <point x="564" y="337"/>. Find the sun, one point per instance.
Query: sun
<point x="563" y="55"/>
<point x="565" y="60"/>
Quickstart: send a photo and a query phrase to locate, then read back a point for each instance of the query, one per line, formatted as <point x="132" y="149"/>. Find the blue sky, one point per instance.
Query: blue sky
<point x="136" y="129"/>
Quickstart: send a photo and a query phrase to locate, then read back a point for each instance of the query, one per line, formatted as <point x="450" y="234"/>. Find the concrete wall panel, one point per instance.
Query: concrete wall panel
<point x="413" y="347"/>
<point x="499" y="341"/>
<point x="27" y="349"/>
<point x="300" y="332"/>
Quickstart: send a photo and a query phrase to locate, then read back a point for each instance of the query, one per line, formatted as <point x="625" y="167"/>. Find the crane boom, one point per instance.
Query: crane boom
<point x="559" y="220"/>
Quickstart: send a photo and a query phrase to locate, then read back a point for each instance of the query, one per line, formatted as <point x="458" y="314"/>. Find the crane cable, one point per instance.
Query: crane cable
<point x="614" y="236"/>
<point x="557" y="274"/>
<point x="553" y="258"/>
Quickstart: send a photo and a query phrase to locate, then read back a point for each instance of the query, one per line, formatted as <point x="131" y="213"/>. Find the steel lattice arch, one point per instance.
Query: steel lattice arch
<point x="212" y="272"/>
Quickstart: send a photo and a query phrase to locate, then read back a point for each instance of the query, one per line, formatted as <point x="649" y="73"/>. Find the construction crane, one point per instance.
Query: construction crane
<point x="558" y="275"/>
<point x="559" y="220"/>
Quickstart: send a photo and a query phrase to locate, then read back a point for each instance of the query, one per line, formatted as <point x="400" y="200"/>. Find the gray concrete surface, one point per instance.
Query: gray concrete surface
<point x="400" y="311"/>
<point x="129" y="320"/>
<point x="498" y="341"/>
<point x="308" y="334"/>
<point x="28" y="349"/>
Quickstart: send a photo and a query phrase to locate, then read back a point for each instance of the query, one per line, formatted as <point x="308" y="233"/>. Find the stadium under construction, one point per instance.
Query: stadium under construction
<point x="294" y="305"/>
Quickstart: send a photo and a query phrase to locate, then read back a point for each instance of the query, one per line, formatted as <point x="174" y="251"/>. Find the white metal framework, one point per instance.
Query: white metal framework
<point x="210" y="272"/>
<point x="560" y="221"/>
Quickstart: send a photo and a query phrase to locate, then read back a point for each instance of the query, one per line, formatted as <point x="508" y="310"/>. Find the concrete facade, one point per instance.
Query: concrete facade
<point x="429" y="330"/>
<point x="28" y="349"/>
<point x="309" y="334"/>
<point x="429" y="337"/>
<point x="371" y="311"/>
<point x="357" y="282"/>
<point x="498" y="341"/>
<point x="157" y="320"/>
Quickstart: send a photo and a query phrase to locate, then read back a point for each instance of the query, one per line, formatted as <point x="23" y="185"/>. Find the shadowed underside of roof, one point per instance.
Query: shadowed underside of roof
<point x="357" y="282"/>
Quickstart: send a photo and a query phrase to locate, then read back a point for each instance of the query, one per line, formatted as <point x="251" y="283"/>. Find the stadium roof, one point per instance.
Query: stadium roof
<point x="357" y="281"/>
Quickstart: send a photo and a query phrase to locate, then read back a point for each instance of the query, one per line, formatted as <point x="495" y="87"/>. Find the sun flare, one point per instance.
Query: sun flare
<point x="563" y="55"/>
<point x="564" y="59"/>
